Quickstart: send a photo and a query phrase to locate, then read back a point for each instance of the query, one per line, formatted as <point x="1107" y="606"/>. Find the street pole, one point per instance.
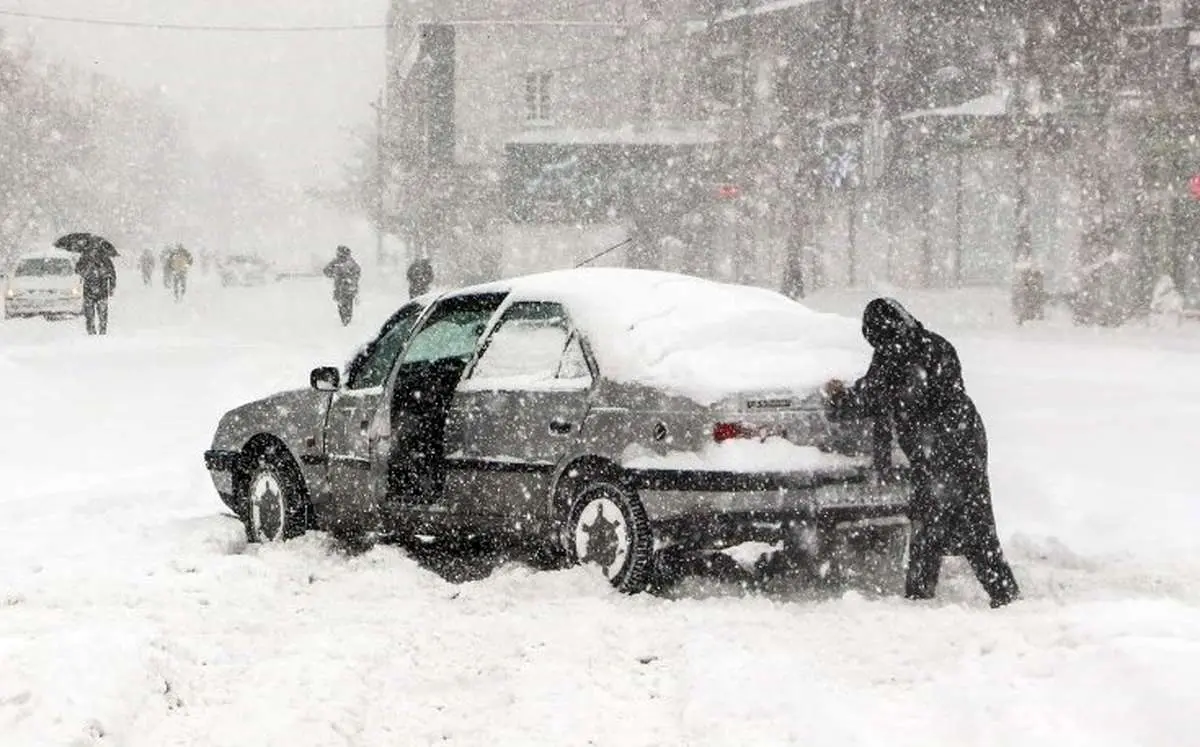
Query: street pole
<point x="1026" y="279"/>
<point x="380" y="183"/>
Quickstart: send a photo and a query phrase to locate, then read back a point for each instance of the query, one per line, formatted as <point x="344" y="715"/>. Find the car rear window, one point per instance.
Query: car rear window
<point x="45" y="266"/>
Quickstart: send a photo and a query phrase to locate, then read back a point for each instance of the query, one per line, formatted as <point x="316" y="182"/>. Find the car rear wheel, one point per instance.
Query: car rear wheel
<point x="607" y="526"/>
<point x="274" y="500"/>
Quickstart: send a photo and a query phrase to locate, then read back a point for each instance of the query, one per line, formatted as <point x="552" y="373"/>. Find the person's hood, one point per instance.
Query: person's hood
<point x="886" y="322"/>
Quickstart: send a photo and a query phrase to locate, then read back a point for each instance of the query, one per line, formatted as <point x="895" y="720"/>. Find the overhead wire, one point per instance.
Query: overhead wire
<point x="82" y="21"/>
<point x="161" y="26"/>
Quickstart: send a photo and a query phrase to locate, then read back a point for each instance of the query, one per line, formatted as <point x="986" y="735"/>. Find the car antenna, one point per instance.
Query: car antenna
<point x="609" y="250"/>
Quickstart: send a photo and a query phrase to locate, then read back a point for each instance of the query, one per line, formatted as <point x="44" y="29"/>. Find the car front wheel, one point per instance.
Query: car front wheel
<point x="607" y="526"/>
<point x="274" y="501"/>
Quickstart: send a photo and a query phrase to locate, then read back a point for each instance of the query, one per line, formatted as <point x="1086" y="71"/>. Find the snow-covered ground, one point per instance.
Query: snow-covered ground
<point x="133" y="613"/>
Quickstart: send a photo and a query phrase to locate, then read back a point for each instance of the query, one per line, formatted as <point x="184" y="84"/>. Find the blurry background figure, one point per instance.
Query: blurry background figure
<point x="793" y="270"/>
<point x="345" y="273"/>
<point x="147" y="264"/>
<point x="420" y="277"/>
<point x="164" y="259"/>
<point x="179" y="261"/>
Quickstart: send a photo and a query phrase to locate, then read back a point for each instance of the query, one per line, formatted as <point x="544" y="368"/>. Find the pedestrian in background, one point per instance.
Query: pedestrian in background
<point x="420" y="277"/>
<point x="179" y="262"/>
<point x="345" y="273"/>
<point x="147" y="264"/>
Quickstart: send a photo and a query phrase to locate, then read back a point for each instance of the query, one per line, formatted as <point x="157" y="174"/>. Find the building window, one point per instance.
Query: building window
<point x="1134" y="13"/>
<point x="1171" y="12"/>
<point x="537" y="97"/>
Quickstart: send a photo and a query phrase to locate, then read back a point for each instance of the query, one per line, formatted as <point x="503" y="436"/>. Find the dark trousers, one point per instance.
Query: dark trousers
<point x="345" y="308"/>
<point x="952" y="515"/>
<point x="95" y="313"/>
<point x="179" y="284"/>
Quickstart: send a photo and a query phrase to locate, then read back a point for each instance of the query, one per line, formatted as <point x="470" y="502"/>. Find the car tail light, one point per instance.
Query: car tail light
<point x="729" y="431"/>
<point x="722" y="432"/>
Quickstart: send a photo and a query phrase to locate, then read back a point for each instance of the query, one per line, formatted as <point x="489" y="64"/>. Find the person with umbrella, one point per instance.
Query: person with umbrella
<point x="99" y="276"/>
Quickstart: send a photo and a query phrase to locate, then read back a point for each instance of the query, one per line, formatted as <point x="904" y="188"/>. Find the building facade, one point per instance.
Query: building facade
<point x="918" y="144"/>
<point x="478" y="92"/>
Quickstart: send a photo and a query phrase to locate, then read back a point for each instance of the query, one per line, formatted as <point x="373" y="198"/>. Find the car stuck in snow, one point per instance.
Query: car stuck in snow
<point x="610" y="414"/>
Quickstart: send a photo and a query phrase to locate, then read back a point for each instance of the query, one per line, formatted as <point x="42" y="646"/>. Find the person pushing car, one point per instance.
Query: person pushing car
<point x="914" y="385"/>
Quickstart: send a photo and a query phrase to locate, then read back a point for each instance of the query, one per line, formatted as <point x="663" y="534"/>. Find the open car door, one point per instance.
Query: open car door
<point x="421" y="392"/>
<point x="356" y="430"/>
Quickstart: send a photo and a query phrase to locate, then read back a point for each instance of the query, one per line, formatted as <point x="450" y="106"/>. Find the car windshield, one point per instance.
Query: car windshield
<point x="41" y="266"/>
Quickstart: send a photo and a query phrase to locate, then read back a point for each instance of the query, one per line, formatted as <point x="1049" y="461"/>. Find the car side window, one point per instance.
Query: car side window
<point x="574" y="365"/>
<point x="531" y="347"/>
<point x="372" y="366"/>
<point x="452" y="329"/>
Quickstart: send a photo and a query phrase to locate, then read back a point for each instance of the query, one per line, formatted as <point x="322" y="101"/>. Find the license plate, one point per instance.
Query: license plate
<point x="859" y="494"/>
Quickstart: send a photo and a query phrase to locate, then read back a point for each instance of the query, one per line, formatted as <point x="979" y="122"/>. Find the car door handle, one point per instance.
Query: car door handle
<point x="561" y="427"/>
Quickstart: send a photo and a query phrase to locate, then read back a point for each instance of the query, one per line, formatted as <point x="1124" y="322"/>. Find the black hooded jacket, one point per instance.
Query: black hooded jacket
<point x="914" y="382"/>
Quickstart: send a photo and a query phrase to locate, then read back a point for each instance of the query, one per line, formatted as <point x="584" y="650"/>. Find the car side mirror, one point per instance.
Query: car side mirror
<point x="325" y="379"/>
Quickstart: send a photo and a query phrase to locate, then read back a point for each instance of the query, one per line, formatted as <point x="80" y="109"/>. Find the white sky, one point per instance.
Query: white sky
<point x="293" y="99"/>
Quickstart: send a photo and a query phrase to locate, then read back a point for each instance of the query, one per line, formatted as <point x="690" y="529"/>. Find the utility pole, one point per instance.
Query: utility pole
<point x="380" y="180"/>
<point x="1027" y="279"/>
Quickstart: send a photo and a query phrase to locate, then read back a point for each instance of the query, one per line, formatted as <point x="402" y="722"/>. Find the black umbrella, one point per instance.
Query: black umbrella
<point x="86" y="242"/>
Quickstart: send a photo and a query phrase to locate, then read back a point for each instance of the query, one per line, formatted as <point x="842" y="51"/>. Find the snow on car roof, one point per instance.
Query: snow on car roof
<point x="50" y="253"/>
<point x="700" y="338"/>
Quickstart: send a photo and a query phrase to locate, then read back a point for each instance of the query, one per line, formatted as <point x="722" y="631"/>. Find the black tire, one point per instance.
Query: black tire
<point x="607" y="525"/>
<point x="272" y="492"/>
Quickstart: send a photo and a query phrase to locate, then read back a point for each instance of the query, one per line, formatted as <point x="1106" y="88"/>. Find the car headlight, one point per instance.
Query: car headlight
<point x="11" y="293"/>
<point x="76" y="292"/>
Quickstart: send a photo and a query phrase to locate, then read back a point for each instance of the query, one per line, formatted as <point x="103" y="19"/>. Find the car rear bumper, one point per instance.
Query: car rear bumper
<point x="763" y="506"/>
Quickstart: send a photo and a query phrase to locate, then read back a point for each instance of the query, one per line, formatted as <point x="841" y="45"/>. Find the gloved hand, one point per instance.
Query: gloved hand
<point x="834" y="389"/>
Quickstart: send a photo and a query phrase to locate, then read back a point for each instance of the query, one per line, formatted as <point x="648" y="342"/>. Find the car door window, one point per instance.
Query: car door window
<point x="452" y="329"/>
<point x="372" y="366"/>
<point x="531" y="347"/>
<point x="574" y="365"/>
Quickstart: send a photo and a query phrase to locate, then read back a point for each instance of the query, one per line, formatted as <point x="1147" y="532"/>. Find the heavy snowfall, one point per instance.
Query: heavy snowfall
<point x="135" y="613"/>
<point x="1022" y="178"/>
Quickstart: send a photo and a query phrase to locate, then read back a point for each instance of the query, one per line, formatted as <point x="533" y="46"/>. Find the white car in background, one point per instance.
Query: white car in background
<point x="245" y="270"/>
<point x="44" y="283"/>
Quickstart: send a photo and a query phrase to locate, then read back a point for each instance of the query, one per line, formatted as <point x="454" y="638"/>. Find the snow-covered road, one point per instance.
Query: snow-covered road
<point x="133" y="613"/>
